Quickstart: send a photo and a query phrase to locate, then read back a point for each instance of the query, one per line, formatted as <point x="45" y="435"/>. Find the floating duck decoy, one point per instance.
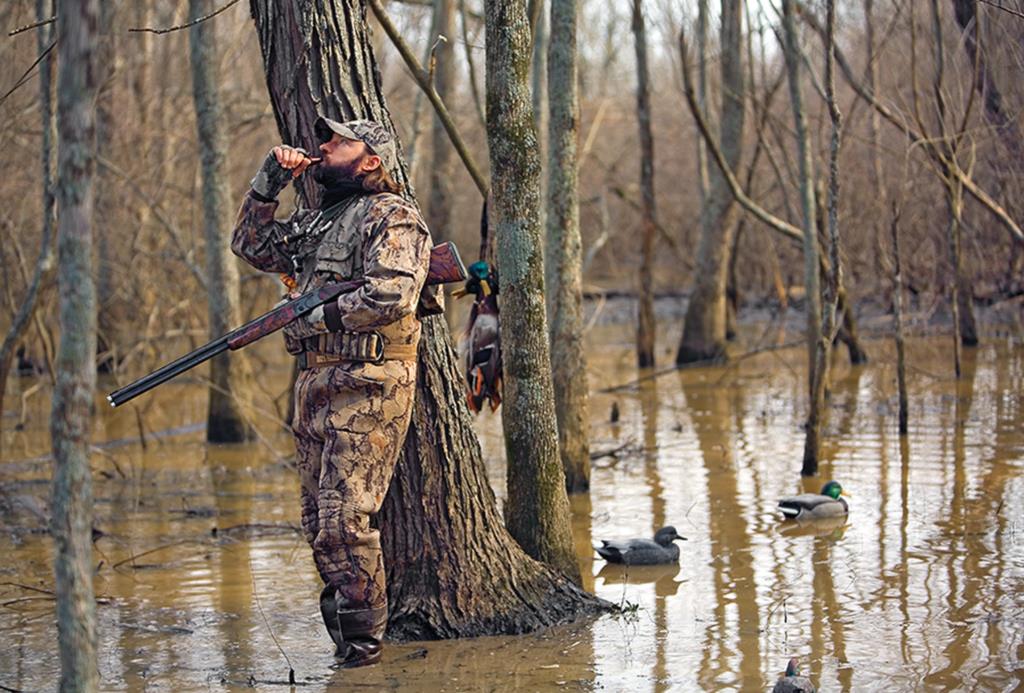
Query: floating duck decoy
<point x="482" y="343"/>
<point x="809" y="506"/>
<point x="642" y="551"/>
<point x="792" y="681"/>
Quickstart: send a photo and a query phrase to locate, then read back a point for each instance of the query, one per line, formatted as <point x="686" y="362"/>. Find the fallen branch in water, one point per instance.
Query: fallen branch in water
<point x="131" y="559"/>
<point x="215" y="531"/>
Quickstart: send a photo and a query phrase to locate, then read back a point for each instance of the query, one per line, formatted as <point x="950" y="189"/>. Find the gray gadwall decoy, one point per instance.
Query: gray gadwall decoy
<point x="810" y="506"/>
<point x="792" y="681"/>
<point x="643" y="551"/>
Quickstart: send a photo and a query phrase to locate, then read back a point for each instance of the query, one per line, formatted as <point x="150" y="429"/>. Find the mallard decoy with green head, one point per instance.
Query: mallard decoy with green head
<point x="792" y="681"/>
<point x="642" y="551"/>
<point x="812" y="506"/>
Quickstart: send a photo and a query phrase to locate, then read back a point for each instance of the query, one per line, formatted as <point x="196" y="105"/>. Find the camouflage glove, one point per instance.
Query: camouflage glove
<point x="272" y="178"/>
<point x="310" y="325"/>
<point x="316" y="319"/>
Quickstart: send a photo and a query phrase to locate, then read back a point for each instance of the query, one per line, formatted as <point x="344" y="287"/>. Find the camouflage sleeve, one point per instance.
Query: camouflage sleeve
<point x="396" y="256"/>
<point x="255" y="231"/>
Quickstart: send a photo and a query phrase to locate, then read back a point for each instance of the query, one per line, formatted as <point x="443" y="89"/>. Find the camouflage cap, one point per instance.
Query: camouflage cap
<point x="370" y="133"/>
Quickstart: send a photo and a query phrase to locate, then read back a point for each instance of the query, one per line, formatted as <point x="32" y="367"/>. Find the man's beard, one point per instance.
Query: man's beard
<point x="338" y="175"/>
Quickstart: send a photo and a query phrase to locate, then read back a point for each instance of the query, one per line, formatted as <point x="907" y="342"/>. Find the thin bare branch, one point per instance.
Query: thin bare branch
<point x="195" y="21"/>
<point x="33" y="25"/>
<point x="423" y="80"/>
<point x="772" y="221"/>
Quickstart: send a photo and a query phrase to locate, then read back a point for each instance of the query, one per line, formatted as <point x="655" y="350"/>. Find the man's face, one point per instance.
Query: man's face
<point x="343" y="161"/>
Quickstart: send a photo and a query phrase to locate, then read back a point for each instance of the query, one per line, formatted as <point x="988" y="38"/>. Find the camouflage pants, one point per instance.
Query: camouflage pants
<point x="350" y="423"/>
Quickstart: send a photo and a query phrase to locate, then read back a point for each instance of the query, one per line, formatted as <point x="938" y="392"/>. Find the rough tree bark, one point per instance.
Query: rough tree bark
<point x="537" y="509"/>
<point x="71" y="413"/>
<point x="439" y="206"/>
<point x="792" y="52"/>
<point x="453" y="569"/>
<point x="645" y="297"/>
<point x="45" y="267"/>
<point x="564" y="251"/>
<point x="704" y="328"/>
<point x="224" y="420"/>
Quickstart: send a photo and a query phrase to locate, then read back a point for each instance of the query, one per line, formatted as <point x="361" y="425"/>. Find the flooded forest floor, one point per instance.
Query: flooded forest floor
<point x="205" y="583"/>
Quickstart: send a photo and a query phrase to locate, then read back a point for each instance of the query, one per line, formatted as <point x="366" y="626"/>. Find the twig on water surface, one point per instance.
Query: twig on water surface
<point x="216" y="531"/>
<point x="131" y="559"/>
<point x="256" y="596"/>
<point x="27" y="587"/>
<point x="699" y="364"/>
<point x="612" y="452"/>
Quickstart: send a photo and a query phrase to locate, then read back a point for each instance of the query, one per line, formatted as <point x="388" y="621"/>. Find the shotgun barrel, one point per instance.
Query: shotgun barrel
<point x="445" y="267"/>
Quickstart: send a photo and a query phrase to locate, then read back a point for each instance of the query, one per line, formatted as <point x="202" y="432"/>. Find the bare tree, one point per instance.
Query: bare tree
<point x="794" y="67"/>
<point x="704" y="329"/>
<point x="645" y="336"/>
<point x="453" y="569"/>
<point x="45" y="267"/>
<point x="71" y="414"/>
<point x="537" y="509"/>
<point x="826" y="333"/>
<point x="439" y="205"/>
<point x="564" y="251"/>
<point x="224" y="420"/>
<point x="106" y="200"/>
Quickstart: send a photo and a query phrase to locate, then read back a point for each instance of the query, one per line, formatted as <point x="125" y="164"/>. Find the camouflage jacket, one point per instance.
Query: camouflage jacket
<point x="379" y="237"/>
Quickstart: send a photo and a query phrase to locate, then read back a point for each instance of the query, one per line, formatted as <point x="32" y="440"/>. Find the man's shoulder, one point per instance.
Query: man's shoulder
<point x="384" y="204"/>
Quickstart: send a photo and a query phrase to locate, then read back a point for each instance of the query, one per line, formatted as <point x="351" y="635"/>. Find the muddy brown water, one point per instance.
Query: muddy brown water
<point x="920" y="590"/>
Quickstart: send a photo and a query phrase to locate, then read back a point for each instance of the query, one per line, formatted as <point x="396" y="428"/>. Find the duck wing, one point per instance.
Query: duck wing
<point x="806" y="503"/>
<point x="612" y="551"/>
<point x="638" y="552"/>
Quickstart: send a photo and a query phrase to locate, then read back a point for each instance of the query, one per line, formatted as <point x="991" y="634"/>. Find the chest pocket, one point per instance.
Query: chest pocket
<point x="340" y="252"/>
<point x="338" y="258"/>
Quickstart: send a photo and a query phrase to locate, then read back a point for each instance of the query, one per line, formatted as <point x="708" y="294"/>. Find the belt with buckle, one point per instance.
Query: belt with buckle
<point x="335" y="348"/>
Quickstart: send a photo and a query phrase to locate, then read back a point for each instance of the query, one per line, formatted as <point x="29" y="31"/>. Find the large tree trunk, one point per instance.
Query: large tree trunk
<point x="537" y="509"/>
<point x="792" y="51"/>
<point x="45" y="267"/>
<point x="224" y="420"/>
<point x="564" y="255"/>
<point x="645" y="296"/>
<point x="71" y="415"/>
<point x="439" y="207"/>
<point x="704" y="329"/>
<point x="453" y="570"/>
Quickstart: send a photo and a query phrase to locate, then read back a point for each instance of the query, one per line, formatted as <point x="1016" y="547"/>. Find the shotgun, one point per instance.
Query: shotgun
<point x="445" y="267"/>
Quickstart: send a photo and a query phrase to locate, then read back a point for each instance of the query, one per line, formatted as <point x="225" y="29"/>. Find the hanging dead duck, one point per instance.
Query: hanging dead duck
<point x="481" y="345"/>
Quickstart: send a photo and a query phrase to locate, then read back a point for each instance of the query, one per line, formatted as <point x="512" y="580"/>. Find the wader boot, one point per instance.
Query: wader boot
<point x="363" y="631"/>
<point x="329" y="610"/>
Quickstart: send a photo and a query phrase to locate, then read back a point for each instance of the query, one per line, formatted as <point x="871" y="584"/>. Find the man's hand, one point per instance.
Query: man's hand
<point x="315" y="318"/>
<point x="295" y="160"/>
<point x="282" y="164"/>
